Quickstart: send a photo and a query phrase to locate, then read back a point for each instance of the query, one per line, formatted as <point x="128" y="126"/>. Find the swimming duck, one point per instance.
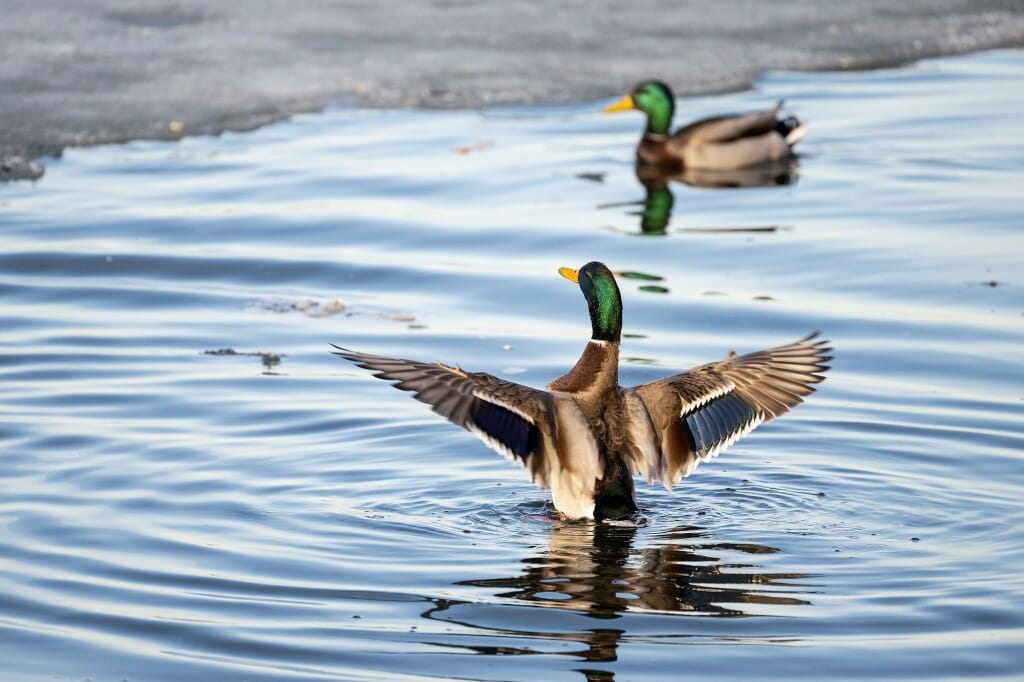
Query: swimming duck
<point x="585" y="436"/>
<point x="718" y="143"/>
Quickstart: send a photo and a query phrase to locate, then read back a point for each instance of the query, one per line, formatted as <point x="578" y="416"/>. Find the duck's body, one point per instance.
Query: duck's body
<point x="585" y="436"/>
<point x="720" y="143"/>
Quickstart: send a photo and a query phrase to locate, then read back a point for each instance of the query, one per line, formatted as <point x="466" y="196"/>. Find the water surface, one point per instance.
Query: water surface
<point x="194" y="488"/>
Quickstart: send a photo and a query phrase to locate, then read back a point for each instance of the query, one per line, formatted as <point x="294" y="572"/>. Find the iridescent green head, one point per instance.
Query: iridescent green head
<point x="602" y="293"/>
<point x="655" y="99"/>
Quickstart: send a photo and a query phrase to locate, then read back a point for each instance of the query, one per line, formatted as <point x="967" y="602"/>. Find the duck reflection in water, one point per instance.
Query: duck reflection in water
<point x="659" y="200"/>
<point x="594" y="569"/>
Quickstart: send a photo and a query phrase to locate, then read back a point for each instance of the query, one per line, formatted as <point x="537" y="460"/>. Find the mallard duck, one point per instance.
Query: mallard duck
<point x="718" y="143"/>
<point x="585" y="436"/>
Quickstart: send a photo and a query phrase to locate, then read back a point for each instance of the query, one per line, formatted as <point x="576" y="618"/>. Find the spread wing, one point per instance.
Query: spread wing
<point x="696" y="414"/>
<point x="726" y="128"/>
<point x="512" y="419"/>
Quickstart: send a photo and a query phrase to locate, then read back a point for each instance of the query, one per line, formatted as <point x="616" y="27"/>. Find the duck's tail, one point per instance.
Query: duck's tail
<point x="791" y="129"/>
<point x="795" y="134"/>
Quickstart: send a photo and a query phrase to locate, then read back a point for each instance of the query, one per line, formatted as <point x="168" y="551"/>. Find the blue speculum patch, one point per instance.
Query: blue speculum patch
<point x="506" y="426"/>
<point x="717" y="421"/>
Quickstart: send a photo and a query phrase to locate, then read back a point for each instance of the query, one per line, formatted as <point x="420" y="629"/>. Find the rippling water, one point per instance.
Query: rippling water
<point x="194" y="488"/>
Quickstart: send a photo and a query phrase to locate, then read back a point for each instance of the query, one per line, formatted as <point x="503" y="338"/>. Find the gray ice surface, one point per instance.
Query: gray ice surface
<point x="79" y="72"/>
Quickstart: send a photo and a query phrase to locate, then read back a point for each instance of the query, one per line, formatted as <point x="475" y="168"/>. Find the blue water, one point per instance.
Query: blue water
<point x="277" y="514"/>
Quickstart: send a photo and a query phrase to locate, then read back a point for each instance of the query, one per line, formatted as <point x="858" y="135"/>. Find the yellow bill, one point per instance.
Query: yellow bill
<point x="624" y="104"/>
<point x="569" y="274"/>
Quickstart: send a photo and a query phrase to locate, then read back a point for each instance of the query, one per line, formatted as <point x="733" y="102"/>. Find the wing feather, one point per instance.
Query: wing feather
<point x="700" y="412"/>
<point x="727" y="128"/>
<point x="514" y="420"/>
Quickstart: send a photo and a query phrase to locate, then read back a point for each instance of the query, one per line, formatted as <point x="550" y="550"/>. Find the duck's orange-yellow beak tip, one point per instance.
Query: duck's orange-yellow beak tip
<point x="570" y="275"/>
<point x="624" y="104"/>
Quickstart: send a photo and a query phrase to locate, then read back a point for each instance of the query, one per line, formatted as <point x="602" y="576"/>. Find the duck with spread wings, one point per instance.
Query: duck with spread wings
<point x="584" y="437"/>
